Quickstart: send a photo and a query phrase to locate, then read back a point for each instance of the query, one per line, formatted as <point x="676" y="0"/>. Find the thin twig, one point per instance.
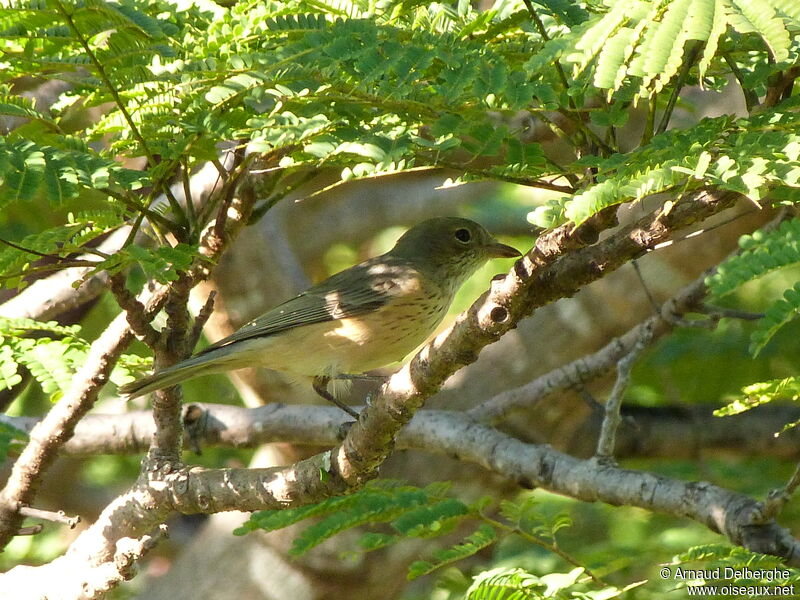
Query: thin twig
<point x="73" y="262"/>
<point x="137" y="224"/>
<point x="188" y="198"/>
<point x="273" y="199"/>
<point x="608" y="432"/>
<point x="134" y="311"/>
<point x="750" y="96"/>
<point x="645" y="287"/>
<point x="721" y="312"/>
<point x="650" y="123"/>
<point x="154" y="217"/>
<point x="228" y="191"/>
<point x="223" y="172"/>
<point x="49" y="268"/>
<point x="777" y="498"/>
<point x="562" y="76"/>
<point x="202" y="317"/>
<point x="527" y="181"/>
<point x="552" y="547"/>
<point x="779" y="86"/>
<point x="49" y="515"/>
<point x="543" y="32"/>
<point x="101" y="72"/>
<point x="587" y="131"/>
<point x="688" y="63"/>
<point x="31" y="530"/>
<point x="238" y="168"/>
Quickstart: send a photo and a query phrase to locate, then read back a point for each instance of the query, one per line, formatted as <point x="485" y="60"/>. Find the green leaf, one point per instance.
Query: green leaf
<point x="761" y="18"/>
<point x="760" y="393"/>
<point x="506" y="584"/>
<point x="609" y="72"/>
<point x="374" y="541"/>
<point x="52" y="360"/>
<point x="368" y="507"/>
<point x="163" y="263"/>
<point x="481" y="538"/>
<point x="761" y="253"/>
<point x="777" y="315"/>
<point x="9" y="375"/>
<point x="430" y="520"/>
<point x="665" y="53"/>
<point x="272" y="520"/>
<point x="571" y="13"/>
<point x="27" y="168"/>
<point x="54" y="363"/>
<point x="11" y="438"/>
<point x="719" y="24"/>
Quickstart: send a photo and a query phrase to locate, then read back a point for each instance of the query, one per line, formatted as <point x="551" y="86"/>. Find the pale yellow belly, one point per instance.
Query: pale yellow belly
<point x="349" y="346"/>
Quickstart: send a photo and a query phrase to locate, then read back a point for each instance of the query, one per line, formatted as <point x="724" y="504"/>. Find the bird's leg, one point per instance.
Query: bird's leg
<point x="362" y="377"/>
<point x="321" y="387"/>
<point x="381" y="379"/>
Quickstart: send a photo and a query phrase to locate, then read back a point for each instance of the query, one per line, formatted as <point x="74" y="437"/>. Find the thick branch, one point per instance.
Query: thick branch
<point x="133" y="515"/>
<point x="546" y="273"/>
<point x="168" y="436"/>
<point x="58" y="425"/>
<point x="592" y="366"/>
<point x="644" y="433"/>
<point x="734" y="515"/>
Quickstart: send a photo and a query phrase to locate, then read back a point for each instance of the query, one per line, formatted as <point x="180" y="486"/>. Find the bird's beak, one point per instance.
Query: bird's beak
<point x="498" y="250"/>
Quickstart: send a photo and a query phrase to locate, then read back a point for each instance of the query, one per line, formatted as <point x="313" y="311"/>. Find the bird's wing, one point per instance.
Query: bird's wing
<point x="358" y="290"/>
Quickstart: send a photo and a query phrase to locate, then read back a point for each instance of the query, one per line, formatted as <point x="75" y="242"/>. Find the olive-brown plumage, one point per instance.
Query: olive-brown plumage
<point x="364" y="317"/>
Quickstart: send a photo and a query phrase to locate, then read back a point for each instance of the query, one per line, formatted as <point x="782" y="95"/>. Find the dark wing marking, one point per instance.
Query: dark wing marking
<point x="358" y="290"/>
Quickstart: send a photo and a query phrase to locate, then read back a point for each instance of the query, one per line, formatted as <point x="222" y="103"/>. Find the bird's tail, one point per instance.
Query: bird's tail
<point x="187" y="369"/>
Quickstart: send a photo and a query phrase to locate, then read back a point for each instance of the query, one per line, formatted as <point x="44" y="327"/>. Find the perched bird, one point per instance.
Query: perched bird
<point x="364" y="317"/>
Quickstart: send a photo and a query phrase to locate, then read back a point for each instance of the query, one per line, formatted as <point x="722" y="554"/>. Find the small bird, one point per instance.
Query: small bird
<point x="367" y="316"/>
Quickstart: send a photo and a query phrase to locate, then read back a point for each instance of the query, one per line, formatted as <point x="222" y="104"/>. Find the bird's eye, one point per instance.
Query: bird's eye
<point x="463" y="235"/>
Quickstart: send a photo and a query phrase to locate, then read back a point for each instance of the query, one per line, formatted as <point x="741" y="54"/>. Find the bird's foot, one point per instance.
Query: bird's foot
<point x="321" y="387"/>
<point x="344" y="429"/>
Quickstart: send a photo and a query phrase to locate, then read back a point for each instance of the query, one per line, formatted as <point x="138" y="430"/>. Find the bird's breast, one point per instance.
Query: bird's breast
<point x="360" y="343"/>
<point x="387" y="334"/>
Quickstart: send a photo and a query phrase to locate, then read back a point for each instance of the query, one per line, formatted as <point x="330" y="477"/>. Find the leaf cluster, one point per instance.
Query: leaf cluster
<point x="52" y="354"/>
<point x="394" y="512"/>
<point x="368" y="89"/>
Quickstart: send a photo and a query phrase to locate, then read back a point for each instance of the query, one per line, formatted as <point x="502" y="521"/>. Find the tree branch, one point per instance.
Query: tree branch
<point x="58" y="425"/>
<point x="135" y="313"/>
<point x="560" y="262"/>
<point x="47" y="298"/>
<point x="592" y="366"/>
<point x="612" y="418"/>
<point x="738" y="517"/>
<point x="544" y="274"/>
<point x="645" y="432"/>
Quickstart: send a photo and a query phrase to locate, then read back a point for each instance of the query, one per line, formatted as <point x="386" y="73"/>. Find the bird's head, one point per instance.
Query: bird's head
<point x="450" y="248"/>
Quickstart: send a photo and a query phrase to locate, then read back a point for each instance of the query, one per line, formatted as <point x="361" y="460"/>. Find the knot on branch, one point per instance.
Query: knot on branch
<point x="499" y="314"/>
